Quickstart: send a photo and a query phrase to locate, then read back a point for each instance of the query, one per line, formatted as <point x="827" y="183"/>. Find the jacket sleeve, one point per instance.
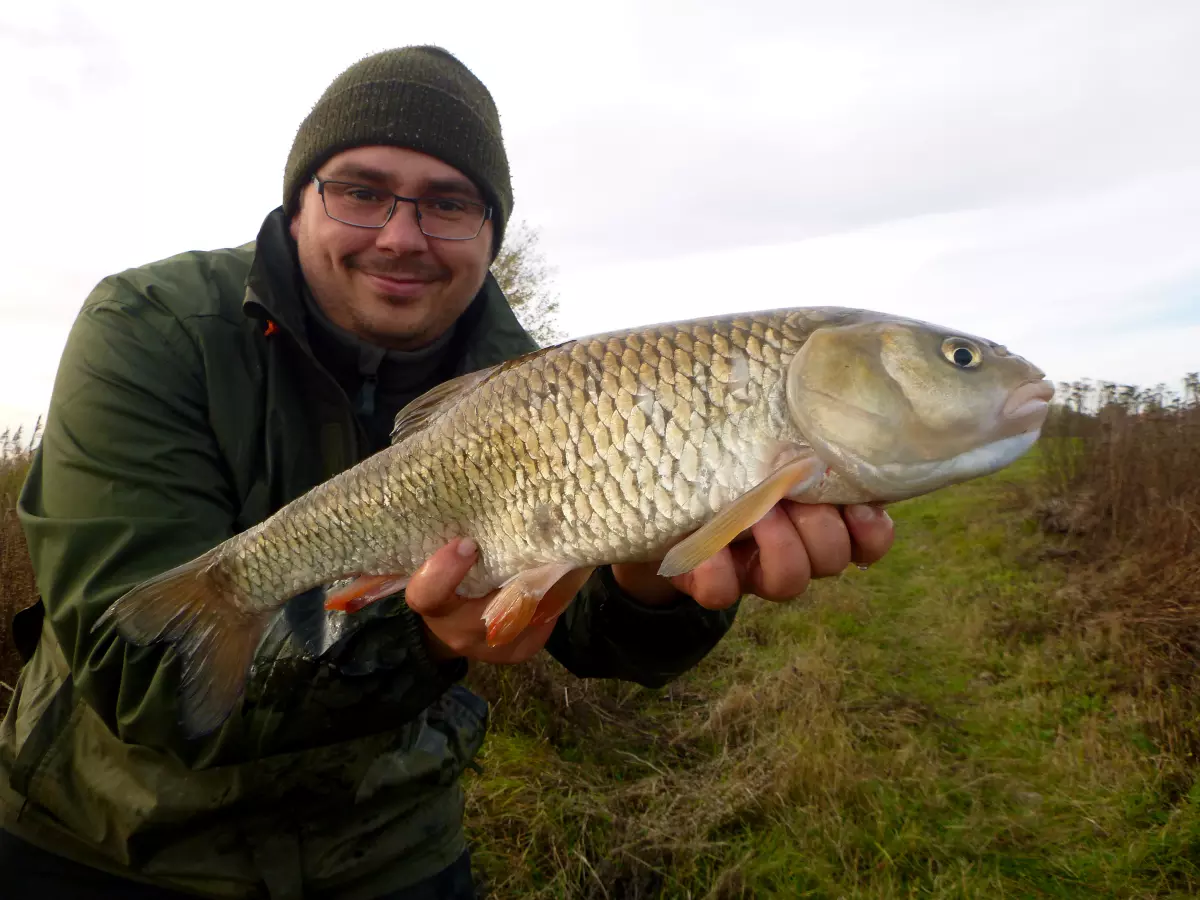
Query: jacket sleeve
<point x="605" y="633"/>
<point x="129" y="481"/>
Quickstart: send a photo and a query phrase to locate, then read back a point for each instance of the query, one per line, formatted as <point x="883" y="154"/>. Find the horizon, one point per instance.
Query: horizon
<point x="1029" y="174"/>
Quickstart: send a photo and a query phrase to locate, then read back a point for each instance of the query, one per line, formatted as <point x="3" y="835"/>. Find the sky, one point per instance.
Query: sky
<point x="1024" y="171"/>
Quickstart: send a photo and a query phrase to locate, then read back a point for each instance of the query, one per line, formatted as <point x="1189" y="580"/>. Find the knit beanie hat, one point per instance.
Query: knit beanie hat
<point x="421" y="98"/>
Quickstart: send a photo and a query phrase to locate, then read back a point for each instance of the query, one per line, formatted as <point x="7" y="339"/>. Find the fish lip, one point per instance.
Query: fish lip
<point x="1031" y="397"/>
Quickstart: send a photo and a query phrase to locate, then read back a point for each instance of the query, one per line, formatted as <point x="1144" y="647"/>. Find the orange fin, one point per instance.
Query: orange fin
<point x="365" y="590"/>
<point x="738" y="516"/>
<point x="514" y="606"/>
<point x="559" y="597"/>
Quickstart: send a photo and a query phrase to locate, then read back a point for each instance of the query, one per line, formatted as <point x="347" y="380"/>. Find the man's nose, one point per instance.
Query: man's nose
<point x="402" y="233"/>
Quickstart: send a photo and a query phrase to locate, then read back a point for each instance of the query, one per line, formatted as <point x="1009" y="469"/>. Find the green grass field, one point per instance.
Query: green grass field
<point x="941" y="725"/>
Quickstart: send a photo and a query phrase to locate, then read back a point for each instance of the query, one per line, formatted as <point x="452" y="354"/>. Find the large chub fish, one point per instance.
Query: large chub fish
<point x="663" y="442"/>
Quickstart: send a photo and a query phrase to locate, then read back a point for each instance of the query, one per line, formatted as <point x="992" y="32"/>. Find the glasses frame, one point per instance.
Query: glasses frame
<point x="396" y="198"/>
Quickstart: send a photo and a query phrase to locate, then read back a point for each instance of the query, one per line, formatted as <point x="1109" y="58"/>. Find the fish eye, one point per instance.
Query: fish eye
<point x="962" y="353"/>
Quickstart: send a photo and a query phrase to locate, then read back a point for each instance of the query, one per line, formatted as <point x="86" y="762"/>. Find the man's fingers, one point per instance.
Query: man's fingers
<point x="714" y="583"/>
<point x="789" y="547"/>
<point x="782" y="568"/>
<point x="824" y="534"/>
<point x="871" y="531"/>
<point x="525" y="646"/>
<point x="431" y="589"/>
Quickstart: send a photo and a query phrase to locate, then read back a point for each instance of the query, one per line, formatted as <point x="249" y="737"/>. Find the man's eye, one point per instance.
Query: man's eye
<point x="446" y="205"/>
<point x="363" y="195"/>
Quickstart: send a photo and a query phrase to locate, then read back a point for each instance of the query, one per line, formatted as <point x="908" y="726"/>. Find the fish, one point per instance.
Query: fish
<point x="664" y="442"/>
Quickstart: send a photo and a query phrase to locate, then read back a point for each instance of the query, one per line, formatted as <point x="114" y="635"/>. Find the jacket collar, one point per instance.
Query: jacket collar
<point x="274" y="283"/>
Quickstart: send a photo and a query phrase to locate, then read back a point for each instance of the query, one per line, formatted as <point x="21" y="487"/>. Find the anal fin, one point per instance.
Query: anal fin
<point x="365" y="590"/>
<point x="738" y="516"/>
<point x="559" y="597"/>
<point x="515" y="604"/>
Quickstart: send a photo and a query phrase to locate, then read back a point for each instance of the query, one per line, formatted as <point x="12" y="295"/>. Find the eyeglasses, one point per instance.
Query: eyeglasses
<point x="445" y="218"/>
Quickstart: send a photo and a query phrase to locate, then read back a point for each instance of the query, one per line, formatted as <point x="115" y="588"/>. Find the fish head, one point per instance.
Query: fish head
<point x="902" y="408"/>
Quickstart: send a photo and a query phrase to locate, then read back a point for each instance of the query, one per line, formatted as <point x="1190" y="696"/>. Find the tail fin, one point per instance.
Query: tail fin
<point x="196" y="609"/>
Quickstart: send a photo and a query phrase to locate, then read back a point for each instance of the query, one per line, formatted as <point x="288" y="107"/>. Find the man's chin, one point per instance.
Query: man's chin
<point x="401" y="325"/>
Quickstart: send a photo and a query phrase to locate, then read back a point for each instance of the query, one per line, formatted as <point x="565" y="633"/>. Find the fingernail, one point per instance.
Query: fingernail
<point x="862" y="513"/>
<point x="467" y="547"/>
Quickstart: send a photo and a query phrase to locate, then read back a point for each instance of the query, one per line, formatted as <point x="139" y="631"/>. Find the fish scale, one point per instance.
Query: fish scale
<point x="586" y="429"/>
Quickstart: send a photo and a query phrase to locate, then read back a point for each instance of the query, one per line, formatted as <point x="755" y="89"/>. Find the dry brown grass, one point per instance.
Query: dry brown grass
<point x="1123" y="486"/>
<point x="17" y="589"/>
<point x="660" y="790"/>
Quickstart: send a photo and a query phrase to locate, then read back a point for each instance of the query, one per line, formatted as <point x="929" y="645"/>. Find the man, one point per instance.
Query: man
<point x="197" y="395"/>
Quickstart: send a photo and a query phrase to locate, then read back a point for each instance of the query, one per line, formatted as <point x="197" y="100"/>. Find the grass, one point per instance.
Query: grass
<point x="17" y="588"/>
<point x="941" y="725"/>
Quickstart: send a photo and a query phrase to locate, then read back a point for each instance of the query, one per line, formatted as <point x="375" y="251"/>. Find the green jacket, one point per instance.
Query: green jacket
<point x="179" y="418"/>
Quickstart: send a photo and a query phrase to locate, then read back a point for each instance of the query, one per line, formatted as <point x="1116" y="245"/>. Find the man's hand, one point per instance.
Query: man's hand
<point x="455" y="624"/>
<point x="790" y="545"/>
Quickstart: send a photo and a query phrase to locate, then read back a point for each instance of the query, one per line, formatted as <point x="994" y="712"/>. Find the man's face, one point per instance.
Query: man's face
<point x="392" y="286"/>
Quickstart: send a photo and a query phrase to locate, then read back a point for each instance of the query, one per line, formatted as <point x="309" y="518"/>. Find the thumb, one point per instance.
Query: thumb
<point x="430" y="591"/>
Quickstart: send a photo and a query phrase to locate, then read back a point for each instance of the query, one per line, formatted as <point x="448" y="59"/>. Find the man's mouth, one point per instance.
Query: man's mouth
<point x="398" y="284"/>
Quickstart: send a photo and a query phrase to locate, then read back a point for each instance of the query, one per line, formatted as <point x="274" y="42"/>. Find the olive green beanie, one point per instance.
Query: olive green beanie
<point x="421" y="98"/>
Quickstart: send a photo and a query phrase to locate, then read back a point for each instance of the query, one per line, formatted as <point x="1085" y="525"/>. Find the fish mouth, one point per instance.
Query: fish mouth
<point x="1029" y="400"/>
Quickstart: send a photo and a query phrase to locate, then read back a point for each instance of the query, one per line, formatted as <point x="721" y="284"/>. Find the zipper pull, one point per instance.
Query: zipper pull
<point x="366" y="395"/>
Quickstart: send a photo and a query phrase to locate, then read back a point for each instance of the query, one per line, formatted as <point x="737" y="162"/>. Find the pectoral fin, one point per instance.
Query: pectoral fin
<point x="514" y="606"/>
<point x="365" y="590"/>
<point x="740" y="515"/>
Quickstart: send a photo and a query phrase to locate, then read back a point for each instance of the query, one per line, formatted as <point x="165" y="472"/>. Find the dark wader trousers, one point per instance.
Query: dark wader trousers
<point x="30" y="873"/>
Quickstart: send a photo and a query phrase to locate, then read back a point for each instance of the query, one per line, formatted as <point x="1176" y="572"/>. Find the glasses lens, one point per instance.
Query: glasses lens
<point x="450" y="218"/>
<point x="356" y="204"/>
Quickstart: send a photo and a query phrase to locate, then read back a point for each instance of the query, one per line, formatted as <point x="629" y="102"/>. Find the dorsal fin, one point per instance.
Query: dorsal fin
<point x="415" y="415"/>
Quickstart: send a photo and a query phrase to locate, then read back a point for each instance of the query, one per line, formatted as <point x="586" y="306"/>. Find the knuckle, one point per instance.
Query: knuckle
<point x="799" y="584"/>
<point x="831" y="524"/>
<point x="828" y="543"/>
<point x="702" y="593"/>
<point x="412" y="599"/>
<point x="832" y="562"/>
<point x="801" y="588"/>
<point x="800" y="576"/>
<point x="459" y="644"/>
<point x="523" y="654"/>
<point x="873" y="548"/>
<point x="788" y="577"/>
<point x="712" y="594"/>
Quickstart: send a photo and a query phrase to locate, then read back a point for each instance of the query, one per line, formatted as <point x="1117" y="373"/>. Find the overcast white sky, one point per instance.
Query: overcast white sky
<point x="1027" y="171"/>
